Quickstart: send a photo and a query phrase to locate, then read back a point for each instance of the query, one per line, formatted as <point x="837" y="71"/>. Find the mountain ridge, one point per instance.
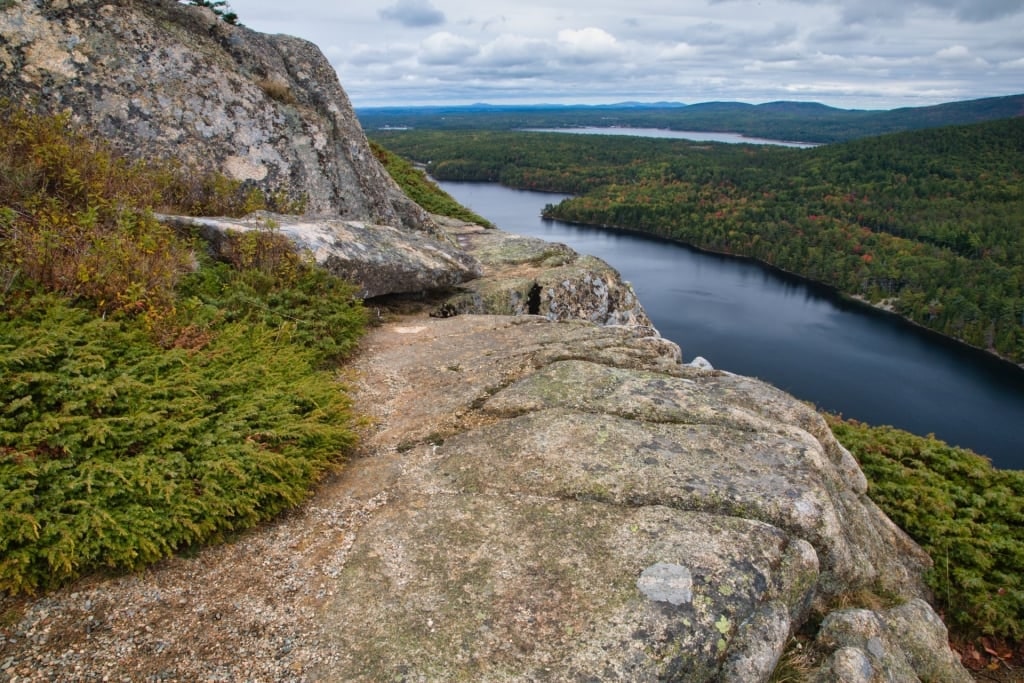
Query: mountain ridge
<point x="783" y="120"/>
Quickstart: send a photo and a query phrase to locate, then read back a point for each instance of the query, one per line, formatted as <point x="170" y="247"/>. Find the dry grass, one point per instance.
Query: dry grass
<point x="276" y="89"/>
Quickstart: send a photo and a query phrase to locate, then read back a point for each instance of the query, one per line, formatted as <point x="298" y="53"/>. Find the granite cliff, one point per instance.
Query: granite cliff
<point x="161" y="79"/>
<point x="545" y="493"/>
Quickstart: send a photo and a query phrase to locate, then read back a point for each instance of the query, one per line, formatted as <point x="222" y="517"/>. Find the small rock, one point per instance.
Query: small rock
<point x="701" y="363"/>
<point x="665" y="582"/>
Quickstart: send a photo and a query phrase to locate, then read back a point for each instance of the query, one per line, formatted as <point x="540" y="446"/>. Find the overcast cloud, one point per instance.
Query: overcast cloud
<point x="872" y="54"/>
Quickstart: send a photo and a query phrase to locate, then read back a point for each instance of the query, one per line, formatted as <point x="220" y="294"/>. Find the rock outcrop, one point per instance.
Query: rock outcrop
<point x="540" y="497"/>
<point x="569" y="502"/>
<point x="166" y="80"/>
<point x="529" y="276"/>
<point x="380" y="259"/>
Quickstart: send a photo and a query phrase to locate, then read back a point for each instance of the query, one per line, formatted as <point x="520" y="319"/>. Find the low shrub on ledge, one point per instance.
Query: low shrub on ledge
<point x="150" y="399"/>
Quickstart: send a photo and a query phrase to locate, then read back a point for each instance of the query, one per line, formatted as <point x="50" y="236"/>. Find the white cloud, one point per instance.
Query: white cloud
<point x="857" y="53"/>
<point x="979" y="10"/>
<point x="446" y="48"/>
<point x="514" y="50"/>
<point x="874" y="11"/>
<point x="679" y="51"/>
<point x="366" y="55"/>
<point x="954" y="52"/>
<point x="588" y="45"/>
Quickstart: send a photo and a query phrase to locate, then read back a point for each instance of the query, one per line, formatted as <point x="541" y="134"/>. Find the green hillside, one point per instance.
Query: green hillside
<point x="803" y="121"/>
<point x="928" y="223"/>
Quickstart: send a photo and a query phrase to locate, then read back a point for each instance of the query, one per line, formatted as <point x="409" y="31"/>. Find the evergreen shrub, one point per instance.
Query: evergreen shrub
<point x="150" y="399"/>
<point x="968" y="515"/>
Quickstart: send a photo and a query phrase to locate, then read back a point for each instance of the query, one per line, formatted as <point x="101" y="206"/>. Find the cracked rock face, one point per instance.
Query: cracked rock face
<point x="529" y="276"/>
<point x="171" y="81"/>
<point x="568" y="502"/>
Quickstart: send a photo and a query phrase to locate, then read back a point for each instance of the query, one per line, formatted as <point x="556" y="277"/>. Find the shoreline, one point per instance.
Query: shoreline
<point x="857" y="299"/>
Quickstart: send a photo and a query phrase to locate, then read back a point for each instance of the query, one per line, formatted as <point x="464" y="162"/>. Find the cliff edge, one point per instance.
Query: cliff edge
<point x="545" y="494"/>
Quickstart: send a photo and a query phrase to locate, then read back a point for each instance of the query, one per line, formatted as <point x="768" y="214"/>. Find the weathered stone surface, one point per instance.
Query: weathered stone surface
<point x="689" y="442"/>
<point x="162" y="79"/>
<point x="665" y="582"/>
<point x="759" y="642"/>
<point x="461" y="586"/>
<point x="568" y="502"/>
<point x="380" y="259"/>
<point x="864" y="650"/>
<point x="526" y="275"/>
<point x="905" y="643"/>
<point x="924" y="640"/>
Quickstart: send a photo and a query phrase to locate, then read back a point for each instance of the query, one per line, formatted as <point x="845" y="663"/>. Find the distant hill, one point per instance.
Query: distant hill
<point x="804" y="121"/>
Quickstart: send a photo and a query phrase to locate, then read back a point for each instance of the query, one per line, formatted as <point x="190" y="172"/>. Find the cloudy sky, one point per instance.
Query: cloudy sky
<point x="870" y="54"/>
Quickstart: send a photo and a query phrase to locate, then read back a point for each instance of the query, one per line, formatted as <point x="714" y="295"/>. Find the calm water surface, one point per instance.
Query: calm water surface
<point x="696" y="135"/>
<point x="749" y="319"/>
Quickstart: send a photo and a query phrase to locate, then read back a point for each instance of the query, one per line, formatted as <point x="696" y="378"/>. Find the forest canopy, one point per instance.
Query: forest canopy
<point x="929" y="224"/>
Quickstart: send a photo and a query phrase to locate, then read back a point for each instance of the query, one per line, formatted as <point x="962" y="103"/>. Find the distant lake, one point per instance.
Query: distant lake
<point x="695" y="135"/>
<point x="750" y="319"/>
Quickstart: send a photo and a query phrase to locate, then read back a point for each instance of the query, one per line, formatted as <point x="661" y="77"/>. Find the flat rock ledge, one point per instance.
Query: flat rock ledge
<point x="534" y="501"/>
<point x="379" y="259"/>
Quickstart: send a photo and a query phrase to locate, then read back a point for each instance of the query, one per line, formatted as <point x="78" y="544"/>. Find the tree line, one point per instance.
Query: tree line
<point x="798" y="121"/>
<point x="927" y="223"/>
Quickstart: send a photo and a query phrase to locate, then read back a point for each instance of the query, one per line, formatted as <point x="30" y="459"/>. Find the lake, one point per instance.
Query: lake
<point x="753" y="320"/>
<point x="695" y="135"/>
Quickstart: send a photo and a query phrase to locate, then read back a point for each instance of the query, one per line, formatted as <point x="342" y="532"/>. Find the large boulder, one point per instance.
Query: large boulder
<point x="526" y="275"/>
<point x="166" y="80"/>
<point x="568" y="502"/>
<point x="379" y="259"/>
<point x="905" y="643"/>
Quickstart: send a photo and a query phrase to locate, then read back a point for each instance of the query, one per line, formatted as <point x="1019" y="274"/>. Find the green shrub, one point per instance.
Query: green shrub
<point x="77" y="218"/>
<point x="115" y="452"/>
<point x="966" y="514"/>
<point x="146" y="406"/>
<point x="422" y="190"/>
<point x="320" y="312"/>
